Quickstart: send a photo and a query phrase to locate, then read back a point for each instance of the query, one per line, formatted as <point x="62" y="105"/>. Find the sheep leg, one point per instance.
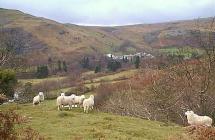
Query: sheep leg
<point x="59" y="108"/>
<point x="84" y="109"/>
<point x="87" y="108"/>
<point x="70" y="107"/>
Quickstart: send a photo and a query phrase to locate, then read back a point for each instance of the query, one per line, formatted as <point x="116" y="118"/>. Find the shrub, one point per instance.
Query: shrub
<point x="97" y="68"/>
<point x="8" y="82"/>
<point x="31" y="134"/>
<point x="3" y="98"/>
<point x="10" y="128"/>
<point x="201" y="132"/>
<point x="28" y="88"/>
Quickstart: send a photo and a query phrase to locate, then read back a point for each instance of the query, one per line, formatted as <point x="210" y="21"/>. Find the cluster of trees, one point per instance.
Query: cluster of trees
<point x="59" y="66"/>
<point x="85" y="63"/>
<point x="52" y="67"/>
<point x="109" y="64"/>
<point x="42" y="71"/>
<point x="113" y="65"/>
<point x="62" y="66"/>
<point x="13" y="43"/>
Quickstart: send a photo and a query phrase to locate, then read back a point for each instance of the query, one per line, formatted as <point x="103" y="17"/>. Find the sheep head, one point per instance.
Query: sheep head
<point x="41" y="93"/>
<point x="83" y="97"/>
<point x="72" y="96"/>
<point x="92" y="96"/>
<point x="187" y="113"/>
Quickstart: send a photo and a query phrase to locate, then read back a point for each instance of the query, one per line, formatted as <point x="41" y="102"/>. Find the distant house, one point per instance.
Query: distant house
<point x="130" y="56"/>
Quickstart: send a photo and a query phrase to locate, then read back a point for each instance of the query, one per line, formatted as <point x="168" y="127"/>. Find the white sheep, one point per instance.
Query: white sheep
<point x="38" y="99"/>
<point x="16" y="96"/>
<point x="65" y="100"/>
<point x="194" y="119"/>
<point x="78" y="99"/>
<point x="62" y="94"/>
<point x="88" y="103"/>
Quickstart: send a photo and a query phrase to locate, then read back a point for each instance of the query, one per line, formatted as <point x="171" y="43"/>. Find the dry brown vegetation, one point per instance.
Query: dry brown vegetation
<point x="11" y="129"/>
<point x="166" y="94"/>
<point x="3" y="98"/>
<point x="201" y="132"/>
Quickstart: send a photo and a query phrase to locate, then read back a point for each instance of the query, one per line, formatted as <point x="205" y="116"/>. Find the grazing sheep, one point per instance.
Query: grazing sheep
<point x="62" y="94"/>
<point x="88" y="103"/>
<point x="194" y="119"/>
<point x="65" y="100"/>
<point x="38" y="99"/>
<point x="79" y="99"/>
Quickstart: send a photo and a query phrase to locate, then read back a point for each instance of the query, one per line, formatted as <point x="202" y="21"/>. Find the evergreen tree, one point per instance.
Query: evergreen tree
<point x="64" y="66"/>
<point x="59" y="65"/>
<point x="137" y="62"/>
<point x="85" y="62"/>
<point x="113" y="65"/>
<point x="42" y="71"/>
<point x="97" y="68"/>
<point x="50" y="64"/>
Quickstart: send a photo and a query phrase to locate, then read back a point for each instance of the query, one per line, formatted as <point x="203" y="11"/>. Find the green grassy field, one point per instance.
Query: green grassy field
<point x="113" y="77"/>
<point x="74" y="124"/>
<point x="36" y="81"/>
<point x="186" y="51"/>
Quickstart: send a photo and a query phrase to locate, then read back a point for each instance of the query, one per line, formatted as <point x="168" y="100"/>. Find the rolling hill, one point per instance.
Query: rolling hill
<point x="76" y="125"/>
<point x="47" y="38"/>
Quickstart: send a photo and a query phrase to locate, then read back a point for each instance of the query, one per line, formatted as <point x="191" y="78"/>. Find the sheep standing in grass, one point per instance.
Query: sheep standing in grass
<point x="79" y="99"/>
<point x="38" y="99"/>
<point x="62" y="94"/>
<point x="194" y="119"/>
<point x="65" y="100"/>
<point x="88" y="103"/>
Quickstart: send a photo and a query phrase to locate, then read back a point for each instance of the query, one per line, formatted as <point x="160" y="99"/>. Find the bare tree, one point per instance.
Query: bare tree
<point x="12" y="44"/>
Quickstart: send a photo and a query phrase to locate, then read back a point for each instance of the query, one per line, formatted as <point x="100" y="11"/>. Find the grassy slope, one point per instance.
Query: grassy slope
<point x="75" y="124"/>
<point x="36" y="81"/>
<point x="72" y="40"/>
<point x="110" y="77"/>
<point x="114" y="76"/>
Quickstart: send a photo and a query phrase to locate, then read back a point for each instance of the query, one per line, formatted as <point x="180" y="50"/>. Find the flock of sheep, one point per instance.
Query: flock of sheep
<point x="70" y="101"/>
<point x="63" y="100"/>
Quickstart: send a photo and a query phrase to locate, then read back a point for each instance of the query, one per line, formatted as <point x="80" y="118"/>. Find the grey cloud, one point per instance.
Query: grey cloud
<point x="113" y="12"/>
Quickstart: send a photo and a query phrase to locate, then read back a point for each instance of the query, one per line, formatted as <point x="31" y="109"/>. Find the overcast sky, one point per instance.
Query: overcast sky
<point x="113" y="12"/>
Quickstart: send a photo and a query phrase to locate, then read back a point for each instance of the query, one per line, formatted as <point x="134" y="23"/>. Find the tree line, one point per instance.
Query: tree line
<point x="109" y="64"/>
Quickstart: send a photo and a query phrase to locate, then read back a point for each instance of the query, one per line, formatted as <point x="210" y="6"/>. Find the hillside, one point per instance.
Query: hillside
<point x="70" y="42"/>
<point x="74" y="124"/>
